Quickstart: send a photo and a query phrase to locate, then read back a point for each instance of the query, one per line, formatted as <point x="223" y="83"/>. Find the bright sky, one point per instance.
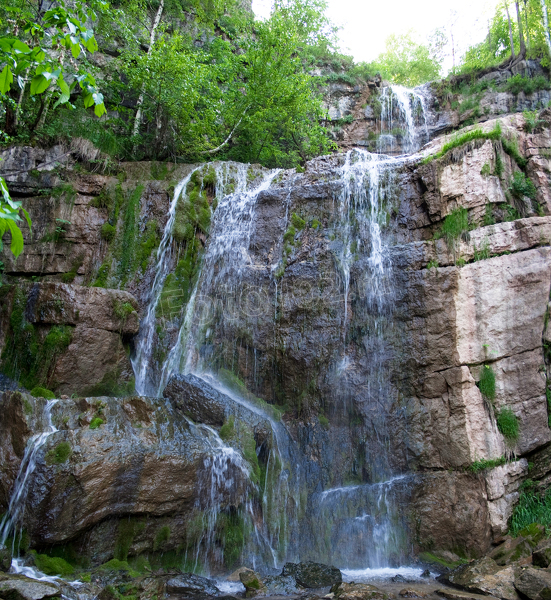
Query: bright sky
<point x="367" y="23"/>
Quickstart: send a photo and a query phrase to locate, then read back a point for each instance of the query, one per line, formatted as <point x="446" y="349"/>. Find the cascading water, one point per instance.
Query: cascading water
<point x="403" y="121"/>
<point x="13" y="518"/>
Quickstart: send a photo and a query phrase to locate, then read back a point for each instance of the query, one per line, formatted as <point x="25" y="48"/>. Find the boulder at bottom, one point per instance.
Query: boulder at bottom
<point x="313" y="575"/>
<point x="534" y="583"/>
<point x="188" y="583"/>
<point x="358" y="591"/>
<point x="19" y="587"/>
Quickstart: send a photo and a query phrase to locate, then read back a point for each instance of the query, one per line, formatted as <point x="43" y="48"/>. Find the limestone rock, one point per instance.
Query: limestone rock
<point x="196" y="399"/>
<point x="358" y="591"/>
<point x="541" y="556"/>
<point x="19" y="587"/>
<point x="313" y="575"/>
<point x="511" y="550"/>
<point x="484" y="576"/>
<point x="534" y="583"/>
<point x="189" y="583"/>
<point x="254" y="584"/>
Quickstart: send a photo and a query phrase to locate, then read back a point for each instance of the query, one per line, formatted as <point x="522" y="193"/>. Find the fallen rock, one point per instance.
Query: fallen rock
<point x="254" y="586"/>
<point x="19" y="587"/>
<point x="452" y="594"/>
<point x="196" y="399"/>
<point x="281" y="585"/>
<point x="235" y="575"/>
<point x="534" y="583"/>
<point x="313" y="575"/>
<point x="541" y="557"/>
<point x="189" y="583"/>
<point x="412" y="593"/>
<point x="358" y="591"/>
<point x="426" y="574"/>
<point x="485" y="576"/>
<point x="511" y="550"/>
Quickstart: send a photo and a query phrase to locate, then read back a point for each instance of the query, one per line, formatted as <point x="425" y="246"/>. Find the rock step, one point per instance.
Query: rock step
<point x="452" y="594"/>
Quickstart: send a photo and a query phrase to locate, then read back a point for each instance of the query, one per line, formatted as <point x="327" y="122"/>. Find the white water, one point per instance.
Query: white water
<point x="403" y="115"/>
<point x="16" y="508"/>
<point x="366" y="575"/>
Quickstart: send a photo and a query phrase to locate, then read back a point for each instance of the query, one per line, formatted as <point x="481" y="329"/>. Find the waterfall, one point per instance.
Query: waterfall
<point x="16" y="507"/>
<point x="403" y="121"/>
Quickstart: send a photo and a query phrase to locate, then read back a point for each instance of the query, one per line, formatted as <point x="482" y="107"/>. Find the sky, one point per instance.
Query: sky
<point x="367" y="23"/>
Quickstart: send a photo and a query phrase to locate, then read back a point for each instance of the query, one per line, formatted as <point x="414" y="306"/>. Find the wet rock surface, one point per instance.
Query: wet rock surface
<point x="534" y="583"/>
<point x="188" y="583"/>
<point x="358" y="591"/>
<point x="19" y="587"/>
<point x="313" y="575"/>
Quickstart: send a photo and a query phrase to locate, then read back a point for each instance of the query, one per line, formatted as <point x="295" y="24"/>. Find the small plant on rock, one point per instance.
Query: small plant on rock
<point x="487" y="383"/>
<point x="507" y="423"/>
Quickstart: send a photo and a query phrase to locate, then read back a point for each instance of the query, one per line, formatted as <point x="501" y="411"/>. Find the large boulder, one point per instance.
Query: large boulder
<point x="5" y="558"/>
<point x="313" y="575"/>
<point x="253" y="582"/>
<point x="486" y="577"/>
<point x="534" y="583"/>
<point x="358" y="591"/>
<point x="189" y="583"/>
<point x="541" y="556"/>
<point x="511" y="550"/>
<point x="19" y="587"/>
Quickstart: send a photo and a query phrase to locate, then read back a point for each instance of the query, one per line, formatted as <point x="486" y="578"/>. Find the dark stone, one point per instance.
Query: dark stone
<point x="313" y="575"/>
<point x="5" y="558"/>
<point x="188" y="583"/>
<point x="426" y="573"/>
<point x="541" y="557"/>
<point x="534" y="584"/>
<point x="196" y="399"/>
<point x="399" y="579"/>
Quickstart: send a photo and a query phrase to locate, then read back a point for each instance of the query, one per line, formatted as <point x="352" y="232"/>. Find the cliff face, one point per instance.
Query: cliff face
<point x="394" y="310"/>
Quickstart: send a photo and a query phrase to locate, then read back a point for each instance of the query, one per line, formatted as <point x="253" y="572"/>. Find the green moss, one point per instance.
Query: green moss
<point x="521" y="186"/>
<point x="324" y="421"/>
<point x="249" y="454"/>
<point x="118" y="565"/>
<point x="108" y="232"/>
<point x="486" y="170"/>
<point x="69" y="277"/>
<point x="86" y="577"/>
<point x="227" y="431"/>
<point x="59" y="454"/>
<point x="487" y="383"/>
<point x="96" y="422"/>
<point x="507" y="423"/>
<point x="127" y="531"/>
<point x="231" y="527"/>
<point x="430" y="558"/>
<point x="53" y="565"/>
<point x="163" y="535"/>
<point x="122" y="310"/>
<point x="40" y="392"/>
<point x="149" y="241"/>
<point x="127" y="247"/>
<point x="316" y="224"/>
<point x="103" y="274"/>
<point x="110" y="386"/>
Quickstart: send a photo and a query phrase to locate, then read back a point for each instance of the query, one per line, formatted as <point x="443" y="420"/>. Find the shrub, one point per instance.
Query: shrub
<point x="482" y="465"/>
<point x="507" y="423"/>
<point x="517" y="84"/>
<point x="532" y="120"/>
<point x="521" y="186"/>
<point x="487" y="383"/>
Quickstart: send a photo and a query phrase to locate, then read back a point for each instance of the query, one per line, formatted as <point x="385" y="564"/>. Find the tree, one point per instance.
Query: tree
<point x="406" y="61"/>
<point x="39" y="52"/>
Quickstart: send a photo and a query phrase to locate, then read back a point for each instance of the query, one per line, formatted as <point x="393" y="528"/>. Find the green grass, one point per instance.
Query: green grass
<point x="455" y="224"/>
<point x="432" y="264"/>
<point x="507" y="423"/>
<point x="487" y="383"/>
<point x="59" y="454"/>
<point x="460" y="139"/>
<point x="517" y="84"/>
<point x="531" y="508"/>
<point x="483" y="252"/>
<point x="482" y="465"/>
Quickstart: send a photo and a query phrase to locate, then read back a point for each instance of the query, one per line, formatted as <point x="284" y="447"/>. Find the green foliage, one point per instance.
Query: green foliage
<point x="459" y="139"/>
<point x="432" y="264"/>
<point x="40" y="392"/>
<point x="298" y="223"/>
<point x="482" y="465"/>
<point x="231" y="527"/>
<point x="486" y="170"/>
<point x="511" y="148"/>
<point x="518" y="83"/>
<point x="324" y="421"/>
<point x="488" y="215"/>
<point x="162" y="536"/>
<point x="531" y="508"/>
<point x="53" y="565"/>
<point x="122" y="310"/>
<point x="9" y="217"/>
<point x="484" y="252"/>
<point x="108" y="232"/>
<point x="406" y="61"/>
<point x="227" y="431"/>
<point x="487" y="383"/>
<point x="59" y="454"/>
<point x="249" y="454"/>
<point x="521" y="186"/>
<point x="96" y="422"/>
<point x="531" y="120"/>
<point x="507" y="423"/>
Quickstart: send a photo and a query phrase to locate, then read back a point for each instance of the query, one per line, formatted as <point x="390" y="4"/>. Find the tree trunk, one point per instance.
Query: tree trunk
<point x="527" y="32"/>
<point x="546" y="25"/>
<point x="139" y="104"/>
<point x="510" y="30"/>
<point x="522" y="53"/>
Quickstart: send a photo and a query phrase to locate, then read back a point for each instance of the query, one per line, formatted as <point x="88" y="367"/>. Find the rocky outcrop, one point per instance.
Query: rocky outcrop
<point x="24" y="588"/>
<point x="313" y="575"/>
